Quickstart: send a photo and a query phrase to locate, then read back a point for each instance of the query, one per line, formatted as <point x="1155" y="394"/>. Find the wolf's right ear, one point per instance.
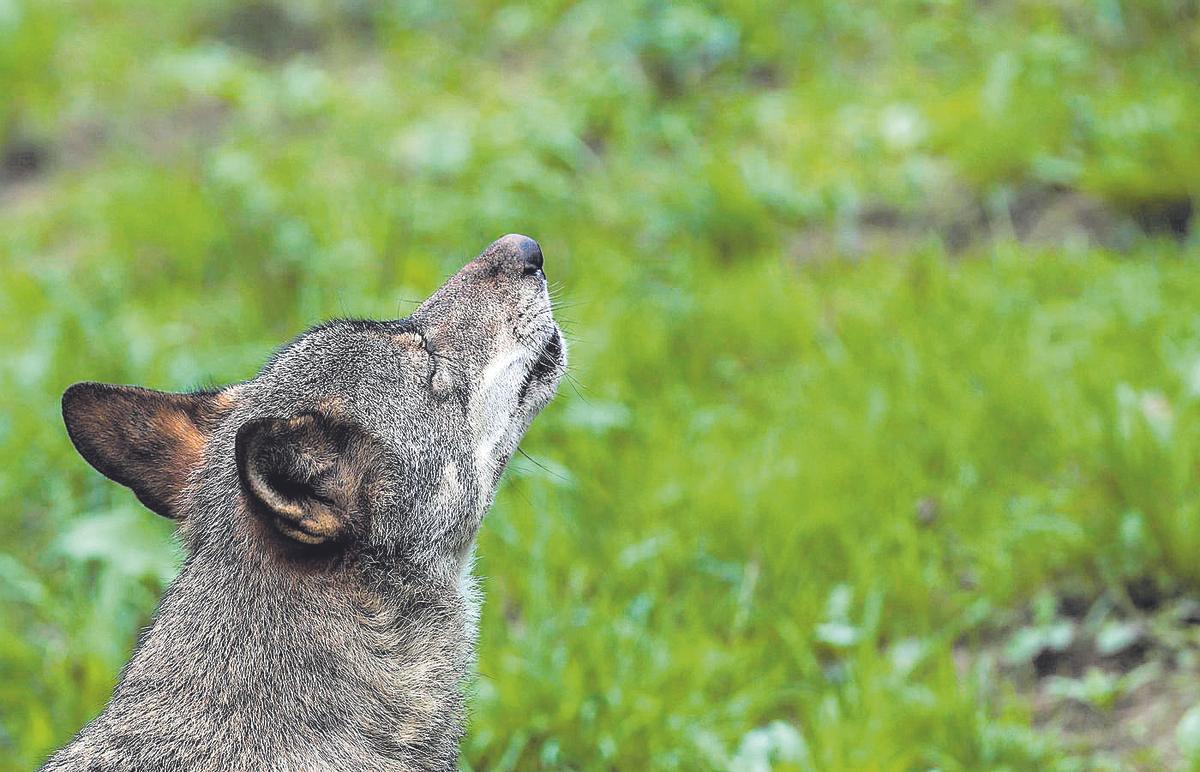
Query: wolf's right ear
<point x="304" y="475"/>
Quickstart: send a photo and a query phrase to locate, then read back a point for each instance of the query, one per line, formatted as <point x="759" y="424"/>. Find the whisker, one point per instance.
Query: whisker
<point x="400" y="301"/>
<point x="542" y="466"/>
<point x="575" y="386"/>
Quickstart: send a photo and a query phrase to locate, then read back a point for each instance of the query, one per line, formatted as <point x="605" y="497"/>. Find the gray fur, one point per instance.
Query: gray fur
<point x="268" y="653"/>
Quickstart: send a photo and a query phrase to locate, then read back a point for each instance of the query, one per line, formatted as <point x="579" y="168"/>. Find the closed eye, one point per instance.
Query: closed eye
<point x="414" y="342"/>
<point x="433" y="358"/>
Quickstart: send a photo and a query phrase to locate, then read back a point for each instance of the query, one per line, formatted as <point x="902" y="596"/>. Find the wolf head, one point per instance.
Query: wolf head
<point x="387" y="436"/>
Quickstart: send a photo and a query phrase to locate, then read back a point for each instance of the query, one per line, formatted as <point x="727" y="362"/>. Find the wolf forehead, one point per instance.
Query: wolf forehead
<point x="379" y="374"/>
<point x="339" y="354"/>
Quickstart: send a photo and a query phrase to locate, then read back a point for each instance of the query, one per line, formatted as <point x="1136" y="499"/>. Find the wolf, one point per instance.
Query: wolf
<point x="324" y="617"/>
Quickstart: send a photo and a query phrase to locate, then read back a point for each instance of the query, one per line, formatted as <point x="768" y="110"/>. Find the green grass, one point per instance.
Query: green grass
<point x="786" y="506"/>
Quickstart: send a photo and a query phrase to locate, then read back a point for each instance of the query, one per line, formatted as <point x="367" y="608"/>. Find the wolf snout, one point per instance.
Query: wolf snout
<point x="523" y="251"/>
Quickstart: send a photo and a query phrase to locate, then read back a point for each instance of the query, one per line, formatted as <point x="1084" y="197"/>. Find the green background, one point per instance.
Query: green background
<point x="880" y="448"/>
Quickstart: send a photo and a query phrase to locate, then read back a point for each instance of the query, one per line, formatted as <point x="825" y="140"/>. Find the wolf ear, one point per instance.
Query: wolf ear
<point x="304" y="474"/>
<point x="147" y="440"/>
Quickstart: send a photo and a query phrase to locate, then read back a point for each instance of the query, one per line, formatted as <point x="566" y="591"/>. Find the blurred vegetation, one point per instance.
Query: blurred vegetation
<point x="880" y="449"/>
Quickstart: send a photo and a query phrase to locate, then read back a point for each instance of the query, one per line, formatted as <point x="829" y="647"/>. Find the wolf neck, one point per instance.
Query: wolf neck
<point x="256" y="665"/>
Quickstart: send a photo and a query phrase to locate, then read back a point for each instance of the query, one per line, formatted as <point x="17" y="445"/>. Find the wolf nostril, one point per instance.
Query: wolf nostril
<point x="533" y="257"/>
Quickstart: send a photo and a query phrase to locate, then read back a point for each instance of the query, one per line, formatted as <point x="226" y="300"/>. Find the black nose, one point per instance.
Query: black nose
<point x="524" y="249"/>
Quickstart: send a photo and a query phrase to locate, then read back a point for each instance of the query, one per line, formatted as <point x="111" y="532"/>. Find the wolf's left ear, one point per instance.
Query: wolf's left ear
<point x="147" y="440"/>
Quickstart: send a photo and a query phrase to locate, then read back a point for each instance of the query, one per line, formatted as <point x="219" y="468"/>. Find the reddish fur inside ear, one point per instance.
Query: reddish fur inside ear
<point x="147" y="440"/>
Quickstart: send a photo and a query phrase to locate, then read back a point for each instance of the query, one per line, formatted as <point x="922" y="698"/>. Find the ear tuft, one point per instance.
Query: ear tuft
<point x="147" y="440"/>
<point x="302" y="474"/>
